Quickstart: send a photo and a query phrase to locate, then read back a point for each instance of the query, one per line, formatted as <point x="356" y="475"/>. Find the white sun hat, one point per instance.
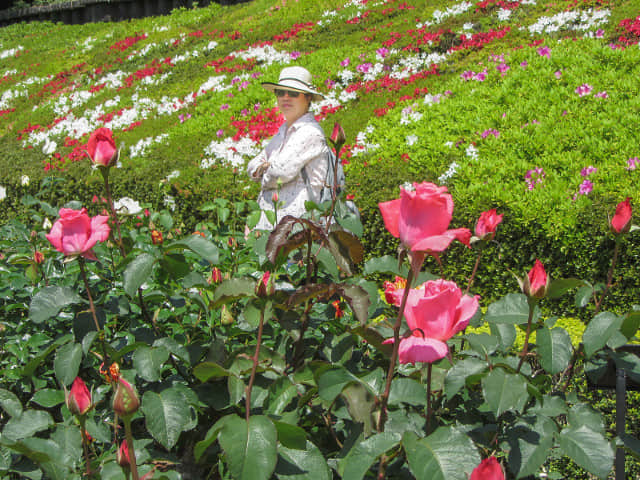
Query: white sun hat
<point x="296" y="79"/>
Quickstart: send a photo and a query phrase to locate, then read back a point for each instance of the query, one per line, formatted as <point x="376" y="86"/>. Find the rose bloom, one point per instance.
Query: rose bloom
<point x="487" y="224"/>
<point x="420" y="219"/>
<point x="435" y="311"/>
<point x="78" y="399"/>
<point x="489" y="469"/>
<point x="75" y="233"/>
<point x="621" y="221"/>
<point x="102" y="148"/>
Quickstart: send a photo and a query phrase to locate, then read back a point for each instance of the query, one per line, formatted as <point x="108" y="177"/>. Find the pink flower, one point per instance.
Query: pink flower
<point x="491" y="131"/>
<point x="435" y="312"/>
<point x="487" y="224"/>
<point x="420" y="219"/>
<point x="558" y="74"/>
<point x="74" y="233"/>
<point x="584" y="89"/>
<point x="632" y="163"/>
<point x="364" y="67"/>
<point x="586" y="171"/>
<point x="102" y="148"/>
<point x="602" y="94"/>
<point x="338" y="135"/>
<point x="78" y="399"/>
<point x="481" y="76"/>
<point x="621" y="221"/>
<point x="489" y="469"/>
<point x="345" y="62"/>
<point x="295" y="55"/>
<point x="599" y="33"/>
<point x="585" y="187"/>
<point x="467" y="75"/>
<point x="536" y="282"/>
<point x="502" y="67"/>
<point x="382" y="52"/>
<point x="544" y="52"/>
<point x="524" y="64"/>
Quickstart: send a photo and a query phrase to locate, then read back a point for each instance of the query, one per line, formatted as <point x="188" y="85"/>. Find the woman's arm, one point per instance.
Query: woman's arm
<point x="304" y="145"/>
<point x="257" y="166"/>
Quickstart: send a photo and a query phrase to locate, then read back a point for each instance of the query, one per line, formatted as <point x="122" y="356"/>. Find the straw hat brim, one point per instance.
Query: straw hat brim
<point x="270" y="86"/>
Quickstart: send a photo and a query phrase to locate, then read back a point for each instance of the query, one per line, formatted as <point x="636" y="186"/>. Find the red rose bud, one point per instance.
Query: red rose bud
<point x="536" y="282"/>
<point x="102" y="148"/>
<point x="125" y="400"/>
<point x="489" y="469"/>
<point x="487" y="224"/>
<point x="156" y="237"/>
<point x="216" y="276"/>
<point x="337" y="136"/>
<point x="122" y="456"/>
<point x="621" y="221"/>
<point x="79" y="398"/>
<point x="265" y="286"/>
<point x="38" y="257"/>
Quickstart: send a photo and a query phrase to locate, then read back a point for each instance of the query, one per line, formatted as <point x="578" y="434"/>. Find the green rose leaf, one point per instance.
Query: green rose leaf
<point x="291" y="436"/>
<point x="530" y="445"/>
<point x="10" y="403"/>
<point x="233" y="289"/>
<point x="386" y="264"/>
<point x="504" y="391"/>
<point x="513" y="308"/>
<point x="167" y="414"/>
<point x="302" y="464"/>
<point x="446" y="454"/>
<point x="561" y="286"/>
<point x="250" y="447"/>
<point x="589" y="449"/>
<point x="364" y="453"/>
<point x="26" y="425"/>
<point x="148" y="361"/>
<point x="67" y="363"/>
<point x="457" y="375"/>
<point x="599" y="331"/>
<point x="209" y="370"/>
<point x="554" y="348"/>
<point x="198" y="245"/>
<point x="137" y="272"/>
<point x="48" y="397"/>
<point x="49" y="301"/>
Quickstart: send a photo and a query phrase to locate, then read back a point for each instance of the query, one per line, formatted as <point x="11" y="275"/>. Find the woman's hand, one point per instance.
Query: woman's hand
<point x="259" y="172"/>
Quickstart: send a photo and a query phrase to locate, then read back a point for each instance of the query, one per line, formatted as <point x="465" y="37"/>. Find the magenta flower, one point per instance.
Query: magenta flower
<point x="584" y="89"/>
<point x="224" y="106"/>
<point x="599" y="33"/>
<point x="382" y="52"/>
<point x="481" y="76"/>
<point x="220" y="133"/>
<point x="586" y="171"/>
<point x="491" y="131"/>
<point x="602" y="94"/>
<point x="364" y="67"/>
<point x="502" y="68"/>
<point x="632" y="163"/>
<point x="585" y="187"/>
<point x="345" y="63"/>
<point x="524" y="64"/>
<point x="544" y="52"/>
<point x="558" y="74"/>
<point x="534" y="177"/>
<point x="467" y="75"/>
<point x="295" y="55"/>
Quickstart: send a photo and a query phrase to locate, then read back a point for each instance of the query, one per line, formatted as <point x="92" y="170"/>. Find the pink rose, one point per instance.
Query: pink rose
<point x="536" y="282"/>
<point x="79" y="398"/>
<point x="487" y="224"/>
<point x="420" y="219"/>
<point x="489" y="469"/>
<point x="435" y="312"/>
<point x="102" y="148"/>
<point x="621" y="221"/>
<point x="75" y="233"/>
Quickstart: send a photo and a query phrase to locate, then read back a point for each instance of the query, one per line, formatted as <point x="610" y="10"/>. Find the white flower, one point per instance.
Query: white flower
<point x="442" y="179"/>
<point x="46" y="225"/>
<point x="24" y="181"/>
<point x="3" y="193"/>
<point x="127" y="206"/>
<point x="411" y="139"/>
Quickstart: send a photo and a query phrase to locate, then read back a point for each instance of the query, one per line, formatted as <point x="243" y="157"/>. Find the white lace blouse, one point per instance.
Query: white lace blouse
<point x="302" y="145"/>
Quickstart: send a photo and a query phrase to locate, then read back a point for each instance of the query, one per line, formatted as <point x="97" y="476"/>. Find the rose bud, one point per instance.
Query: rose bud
<point x="337" y="136"/>
<point x="536" y="283"/>
<point x="487" y="224"/>
<point x="125" y="400"/>
<point x="38" y="257"/>
<point x="274" y="197"/>
<point x="265" y="285"/>
<point x="621" y="221"/>
<point x="122" y="456"/>
<point x="216" y="276"/>
<point x="78" y="399"/>
<point x="102" y="148"/>
<point x="489" y="469"/>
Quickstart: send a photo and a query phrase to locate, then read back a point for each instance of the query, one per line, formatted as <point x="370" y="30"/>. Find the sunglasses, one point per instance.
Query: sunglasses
<point x="281" y="93"/>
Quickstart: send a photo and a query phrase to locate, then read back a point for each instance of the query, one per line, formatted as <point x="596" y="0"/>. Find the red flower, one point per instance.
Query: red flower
<point x="536" y="282"/>
<point x="74" y="233"/>
<point x="393" y="290"/>
<point x="339" y="311"/>
<point x="420" y="219"/>
<point x="79" y="398"/>
<point x="621" y="221"/>
<point x="216" y="276"/>
<point x="102" y="148"/>
<point x="487" y="224"/>
<point x="489" y="469"/>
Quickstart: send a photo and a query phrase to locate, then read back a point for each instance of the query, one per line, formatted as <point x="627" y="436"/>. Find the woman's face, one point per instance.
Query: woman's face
<point x="292" y="104"/>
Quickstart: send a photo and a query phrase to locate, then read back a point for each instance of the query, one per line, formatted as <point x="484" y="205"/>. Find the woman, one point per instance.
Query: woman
<point x="298" y="150"/>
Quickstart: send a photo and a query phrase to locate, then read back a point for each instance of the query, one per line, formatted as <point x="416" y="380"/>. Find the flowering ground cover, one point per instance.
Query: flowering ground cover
<point x="147" y="332"/>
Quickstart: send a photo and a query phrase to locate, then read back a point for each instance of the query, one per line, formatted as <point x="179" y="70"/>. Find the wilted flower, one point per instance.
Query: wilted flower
<point x="156" y="237"/>
<point x="38" y="257"/>
<point x="111" y="375"/>
<point x="339" y="312"/>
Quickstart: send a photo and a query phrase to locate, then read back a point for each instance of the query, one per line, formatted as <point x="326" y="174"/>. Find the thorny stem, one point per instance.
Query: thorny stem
<point x="85" y="441"/>
<point x="86" y="286"/>
<point x="616" y="251"/>
<point x="114" y="215"/>
<point x="254" y="368"/>
<point x="394" y="354"/>
<point x="132" y="450"/>
<point x="474" y="272"/>
<point x="525" y="349"/>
